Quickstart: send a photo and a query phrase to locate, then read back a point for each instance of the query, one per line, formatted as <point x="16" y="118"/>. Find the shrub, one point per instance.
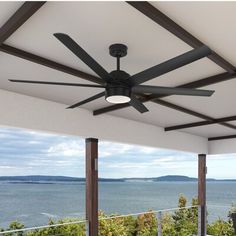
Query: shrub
<point x="183" y="222"/>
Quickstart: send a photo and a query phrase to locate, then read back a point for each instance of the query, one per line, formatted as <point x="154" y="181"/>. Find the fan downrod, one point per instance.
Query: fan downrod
<point x="118" y="50"/>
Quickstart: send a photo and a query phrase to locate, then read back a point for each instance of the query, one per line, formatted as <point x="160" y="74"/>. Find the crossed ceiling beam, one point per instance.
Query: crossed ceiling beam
<point x="201" y="123"/>
<point x="26" y="10"/>
<point x="18" y="19"/>
<point x="161" y="19"/>
<point x="191" y="112"/>
<point x="29" y="8"/>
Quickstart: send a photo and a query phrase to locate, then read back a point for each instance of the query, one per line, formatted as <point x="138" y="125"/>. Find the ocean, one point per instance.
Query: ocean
<point x="33" y="204"/>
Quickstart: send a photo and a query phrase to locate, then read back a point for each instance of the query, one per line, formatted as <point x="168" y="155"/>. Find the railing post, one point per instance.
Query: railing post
<point x="92" y="186"/>
<point x="202" y="170"/>
<point x="87" y="228"/>
<point x="199" y="221"/>
<point x="159" y="225"/>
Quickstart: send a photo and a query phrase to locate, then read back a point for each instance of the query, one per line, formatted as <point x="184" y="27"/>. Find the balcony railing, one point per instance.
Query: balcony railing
<point x="159" y="219"/>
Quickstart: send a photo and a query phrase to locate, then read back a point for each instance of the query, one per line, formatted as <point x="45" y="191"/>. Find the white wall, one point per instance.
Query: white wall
<point x="225" y="146"/>
<point x="37" y="114"/>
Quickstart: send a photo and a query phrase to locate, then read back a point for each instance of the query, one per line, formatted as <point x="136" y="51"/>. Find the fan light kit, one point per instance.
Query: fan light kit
<point x="120" y="87"/>
<point x="116" y="99"/>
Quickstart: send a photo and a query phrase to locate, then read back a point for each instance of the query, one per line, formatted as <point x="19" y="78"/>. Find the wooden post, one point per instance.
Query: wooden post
<point x="92" y="186"/>
<point x="202" y="170"/>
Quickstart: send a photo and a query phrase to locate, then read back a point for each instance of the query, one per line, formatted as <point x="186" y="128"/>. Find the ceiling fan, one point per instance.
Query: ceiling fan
<point x="120" y="87"/>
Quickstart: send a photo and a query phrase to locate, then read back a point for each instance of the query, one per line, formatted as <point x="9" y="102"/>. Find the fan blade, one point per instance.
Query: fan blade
<point x="56" y="83"/>
<point x="82" y="54"/>
<point x="170" y="65"/>
<point x="134" y="102"/>
<point x="157" y="90"/>
<point x="99" y="95"/>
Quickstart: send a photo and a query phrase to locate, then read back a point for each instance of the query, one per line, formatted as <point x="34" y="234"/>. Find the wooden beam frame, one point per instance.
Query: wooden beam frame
<point x="163" y="20"/>
<point x="190" y="112"/>
<point x="92" y="186"/>
<point x="19" y="18"/>
<point x="29" y="8"/>
<point x="222" y="137"/>
<point x="14" y="22"/>
<point x="201" y="123"/>
<point x="202" y="171"/>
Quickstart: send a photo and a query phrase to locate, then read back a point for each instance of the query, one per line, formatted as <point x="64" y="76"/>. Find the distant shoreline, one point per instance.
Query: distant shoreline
<point x="44" y="179"/>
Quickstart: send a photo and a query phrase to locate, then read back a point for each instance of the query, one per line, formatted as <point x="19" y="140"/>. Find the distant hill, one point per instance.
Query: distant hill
<point x="35" y="178"/>
<point x="175" y="178"/>
<point x="44" y="178"/>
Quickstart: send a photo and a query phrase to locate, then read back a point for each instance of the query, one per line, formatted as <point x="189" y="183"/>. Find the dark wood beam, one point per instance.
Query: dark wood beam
<point x="163" y="20"/>
<point x="190" y="112"/>
<point x="49" y="63"/>
<point x="202" y="171"/>
<point x="182" y="109"/>
<point x="92" y="186"/>
<point x="201" y="123"/>
<point x="222" y="137"/>
<point x="19" y="18"/>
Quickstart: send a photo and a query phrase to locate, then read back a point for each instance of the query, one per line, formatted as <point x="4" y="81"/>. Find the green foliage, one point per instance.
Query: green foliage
<point x="117" y="226"/>
<point x="146" y="225"/>
<point x="183" y="222"/>
<point x="185" y="219"/>
<point x="221" y="228"/>
<point x="233" y="208"/>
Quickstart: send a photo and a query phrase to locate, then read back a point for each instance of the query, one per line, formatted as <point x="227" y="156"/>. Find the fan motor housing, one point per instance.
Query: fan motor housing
<point x="118" y="91"/>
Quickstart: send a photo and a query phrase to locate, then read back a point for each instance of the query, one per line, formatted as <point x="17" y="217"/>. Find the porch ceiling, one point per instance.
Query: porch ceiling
<point x="97" y="25"/>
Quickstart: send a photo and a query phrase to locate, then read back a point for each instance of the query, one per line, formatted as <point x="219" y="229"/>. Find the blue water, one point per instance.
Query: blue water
<point x="34" y="204"/>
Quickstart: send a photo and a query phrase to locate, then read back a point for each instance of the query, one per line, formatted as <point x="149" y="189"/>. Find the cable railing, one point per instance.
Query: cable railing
<point x="157" y="221"/>
<point x="50" y="226"/>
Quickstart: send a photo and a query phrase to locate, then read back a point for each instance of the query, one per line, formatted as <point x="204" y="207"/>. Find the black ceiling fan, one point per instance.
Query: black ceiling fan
<point x="120" y="87"/>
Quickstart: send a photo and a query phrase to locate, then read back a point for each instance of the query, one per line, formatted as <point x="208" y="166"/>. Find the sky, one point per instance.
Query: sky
<point x="24" y="152"/>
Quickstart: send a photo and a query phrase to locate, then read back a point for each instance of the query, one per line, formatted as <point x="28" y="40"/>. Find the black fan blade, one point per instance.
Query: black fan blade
<point x="99" y="95"/>
<point x="82" y="54"/>
<point x="170" y="65"/>
<point x="134" y="102"/>
<point x="157" y="90"/>
<point x="56" y="83"/>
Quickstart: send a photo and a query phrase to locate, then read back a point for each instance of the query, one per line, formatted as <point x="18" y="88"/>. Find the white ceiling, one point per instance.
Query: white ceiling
<point x="96" y="25"/>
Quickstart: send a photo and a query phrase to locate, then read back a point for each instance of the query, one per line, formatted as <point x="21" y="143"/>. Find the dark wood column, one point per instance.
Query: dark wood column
<point x="92" y="186"/>
<point x="202" y="171"/>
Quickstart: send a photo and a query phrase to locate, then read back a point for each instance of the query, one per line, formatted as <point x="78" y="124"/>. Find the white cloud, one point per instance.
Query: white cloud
<point x="69" y="149"/>
<point x="25" y="152"/>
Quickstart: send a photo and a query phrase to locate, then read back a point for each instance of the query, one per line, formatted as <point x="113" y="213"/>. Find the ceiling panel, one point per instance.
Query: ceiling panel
<point x="210" y="21"/>
<point x="157" y="115"/>
<point x="220" y="104"/>
<point x="7" y="9"/>
<point x="96" y="25"/>
<point x="14" y="68"/>
<point x="210" y="130"/>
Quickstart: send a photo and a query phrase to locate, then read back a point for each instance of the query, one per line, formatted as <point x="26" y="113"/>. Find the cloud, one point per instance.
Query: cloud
<point x="24" y="152"/>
